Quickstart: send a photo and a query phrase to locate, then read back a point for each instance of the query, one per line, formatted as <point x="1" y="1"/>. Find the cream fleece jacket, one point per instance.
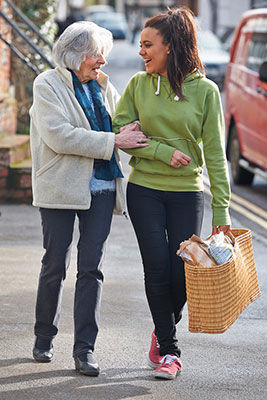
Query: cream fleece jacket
<point x="63" y="146"/>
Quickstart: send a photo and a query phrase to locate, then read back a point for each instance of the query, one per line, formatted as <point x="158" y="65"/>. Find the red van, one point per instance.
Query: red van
<point x="246" y="98"/>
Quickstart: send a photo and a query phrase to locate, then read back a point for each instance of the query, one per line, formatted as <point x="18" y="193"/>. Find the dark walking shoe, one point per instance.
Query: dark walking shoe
<point x="86" y="364"/>
<point x="43" y="356"/>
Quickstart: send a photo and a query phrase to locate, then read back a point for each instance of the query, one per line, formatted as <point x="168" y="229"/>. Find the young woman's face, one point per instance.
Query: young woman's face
<point x="154" y="52"/>
<point x="90" y="68"/>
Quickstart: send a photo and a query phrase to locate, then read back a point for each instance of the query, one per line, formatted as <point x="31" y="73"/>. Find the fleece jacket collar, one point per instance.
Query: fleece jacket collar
<point x="66" y="76"/>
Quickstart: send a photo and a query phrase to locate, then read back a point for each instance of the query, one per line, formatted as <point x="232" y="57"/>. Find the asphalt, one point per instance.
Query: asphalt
<point x="227" y="366"/>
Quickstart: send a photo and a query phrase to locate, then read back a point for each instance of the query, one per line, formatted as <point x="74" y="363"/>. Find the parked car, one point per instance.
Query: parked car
<point x="115" y="22"/>
<point x="213" y="55"/>
<point x="246" y="99"/>
<point x="91" y="11"/>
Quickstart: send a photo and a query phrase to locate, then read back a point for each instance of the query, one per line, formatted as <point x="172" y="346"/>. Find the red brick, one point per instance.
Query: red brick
<point x="3" y="183"/>
<point x="3" y="195"/>
<point x="16" y="194"/>
<point x="4" y="158"/>
<point x="28" y="192"/>
<point x="18" y="180"/>
<point x="3" y="172"/>
<point x="24" y="181"/>
<point x="19" y="196"/>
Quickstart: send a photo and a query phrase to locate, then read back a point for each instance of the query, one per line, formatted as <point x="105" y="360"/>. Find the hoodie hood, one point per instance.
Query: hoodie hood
<point x="190" y="77"/>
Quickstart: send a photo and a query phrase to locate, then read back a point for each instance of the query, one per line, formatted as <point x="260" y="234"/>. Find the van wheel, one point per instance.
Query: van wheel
<point x="240" y="175"/>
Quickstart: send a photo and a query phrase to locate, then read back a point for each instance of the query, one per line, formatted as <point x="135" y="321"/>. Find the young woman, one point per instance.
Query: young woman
<point x="178" y="108"/>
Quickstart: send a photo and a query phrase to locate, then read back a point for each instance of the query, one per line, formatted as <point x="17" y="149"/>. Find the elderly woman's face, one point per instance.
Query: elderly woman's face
<point x="90" y="68"/>
<point x="154" y="52"/>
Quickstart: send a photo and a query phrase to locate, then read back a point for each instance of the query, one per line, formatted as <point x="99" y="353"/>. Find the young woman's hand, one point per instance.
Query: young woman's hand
<point x="133" y="126"/>
<point x="130" y="137"/>
<point x="221" y="228"/>
<point x="179" y="159"/>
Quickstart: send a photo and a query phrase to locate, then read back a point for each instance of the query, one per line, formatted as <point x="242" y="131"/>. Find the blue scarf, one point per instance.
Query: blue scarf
<point x="99" y="120"/>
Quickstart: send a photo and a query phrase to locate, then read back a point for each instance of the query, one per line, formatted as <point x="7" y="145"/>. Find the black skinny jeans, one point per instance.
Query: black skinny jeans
<point x="94" y="228"/>
<point x="162" y="220"/>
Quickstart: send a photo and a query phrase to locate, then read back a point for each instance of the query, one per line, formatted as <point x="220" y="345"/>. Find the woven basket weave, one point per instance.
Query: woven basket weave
<point x="217" y="295"/>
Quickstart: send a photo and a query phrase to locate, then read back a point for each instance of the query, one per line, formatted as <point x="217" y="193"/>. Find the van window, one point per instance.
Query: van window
<point x="257" y="51"/>
<point x="241" y="50"/>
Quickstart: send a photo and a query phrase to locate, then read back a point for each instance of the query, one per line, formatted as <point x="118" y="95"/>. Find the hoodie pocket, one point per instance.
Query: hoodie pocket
<point x="48" y="165"/>
<point x="186" y="146"/>
<point x="189" y="148"/>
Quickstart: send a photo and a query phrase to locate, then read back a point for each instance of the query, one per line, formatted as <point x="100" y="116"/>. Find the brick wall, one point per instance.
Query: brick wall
<point x="5" y="31"/>
<point x="15" y="180"/>
<point x="8" y="116"/>
<point x="8" y="104"/>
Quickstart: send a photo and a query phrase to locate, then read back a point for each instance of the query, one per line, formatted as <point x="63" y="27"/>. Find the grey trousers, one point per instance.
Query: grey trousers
<point x="94" y="228"/>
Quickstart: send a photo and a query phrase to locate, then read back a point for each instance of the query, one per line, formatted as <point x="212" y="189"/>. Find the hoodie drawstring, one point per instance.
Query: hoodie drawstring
<point x="158" y="88"/>
<point x="176" y="98"/>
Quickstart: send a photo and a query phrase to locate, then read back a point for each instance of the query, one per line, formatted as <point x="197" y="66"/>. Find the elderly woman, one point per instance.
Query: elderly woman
<point x="75" y="172"/>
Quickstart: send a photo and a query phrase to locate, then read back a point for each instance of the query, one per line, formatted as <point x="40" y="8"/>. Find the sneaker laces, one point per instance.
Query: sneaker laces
<point x="168" y="359"/>
<point x="157" y="343"/>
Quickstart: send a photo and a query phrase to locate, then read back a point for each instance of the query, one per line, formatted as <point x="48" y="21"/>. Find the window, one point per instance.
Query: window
<point x="241" y="50"/>
<point x="257" y="51"/>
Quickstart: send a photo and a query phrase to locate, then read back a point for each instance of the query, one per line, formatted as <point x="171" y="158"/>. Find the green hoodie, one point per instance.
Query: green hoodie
<point x="172" y="124"/>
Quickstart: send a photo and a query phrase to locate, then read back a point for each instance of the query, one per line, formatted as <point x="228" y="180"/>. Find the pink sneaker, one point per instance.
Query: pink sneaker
<point x="153" y="355"/>
<point x="170" y="367"/>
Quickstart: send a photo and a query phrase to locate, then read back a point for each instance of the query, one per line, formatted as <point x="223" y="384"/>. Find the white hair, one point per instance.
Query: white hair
<point x="79" y="40"/>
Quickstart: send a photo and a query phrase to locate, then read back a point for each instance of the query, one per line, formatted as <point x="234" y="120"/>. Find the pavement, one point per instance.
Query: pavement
<point x="228" y="366"/>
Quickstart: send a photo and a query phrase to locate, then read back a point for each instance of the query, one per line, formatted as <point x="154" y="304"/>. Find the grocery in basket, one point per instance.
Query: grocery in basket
<point x="215" y="250"/>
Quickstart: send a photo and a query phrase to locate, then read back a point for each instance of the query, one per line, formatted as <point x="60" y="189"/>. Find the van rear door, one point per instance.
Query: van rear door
<point x="254" y="118"/>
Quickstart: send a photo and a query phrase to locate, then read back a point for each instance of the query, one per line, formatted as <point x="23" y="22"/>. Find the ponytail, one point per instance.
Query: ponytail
<point x="177" y="28"/>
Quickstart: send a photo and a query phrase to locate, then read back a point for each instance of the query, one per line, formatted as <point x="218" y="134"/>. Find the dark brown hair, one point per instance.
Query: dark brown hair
<point x="177" y="28"/>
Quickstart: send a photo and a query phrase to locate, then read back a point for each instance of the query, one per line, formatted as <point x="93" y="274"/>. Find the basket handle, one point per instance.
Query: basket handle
<point x="231" y="236"/>
<point x="192" y="256"/>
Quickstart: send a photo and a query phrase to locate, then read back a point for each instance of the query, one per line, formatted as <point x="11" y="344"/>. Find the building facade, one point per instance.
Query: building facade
<point x="220" y="16"/>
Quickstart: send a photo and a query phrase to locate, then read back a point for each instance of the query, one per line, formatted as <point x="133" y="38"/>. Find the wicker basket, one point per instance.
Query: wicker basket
<point x="217" y="295"/>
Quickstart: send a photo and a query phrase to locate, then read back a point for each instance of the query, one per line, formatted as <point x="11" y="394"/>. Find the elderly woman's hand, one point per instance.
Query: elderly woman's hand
<point x="131" y="137"/>
<point x="179" y="159"/>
